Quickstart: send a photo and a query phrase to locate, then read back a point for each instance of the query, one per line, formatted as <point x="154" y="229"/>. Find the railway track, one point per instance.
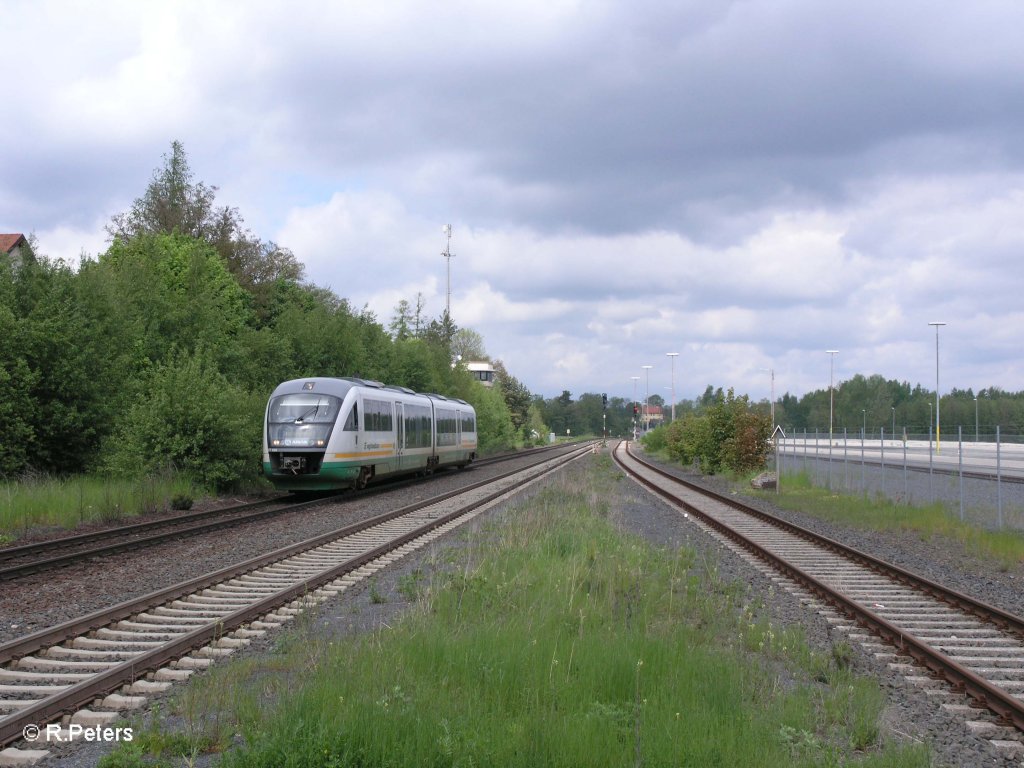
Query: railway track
<point x="113" y="658"/>
<point x="928" y="632"/>
<point x="26" y="559"/>
<point x="19" y="561"/>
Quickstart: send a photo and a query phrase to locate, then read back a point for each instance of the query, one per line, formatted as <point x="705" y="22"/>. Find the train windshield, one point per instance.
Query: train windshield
<point x="301" y="420"/>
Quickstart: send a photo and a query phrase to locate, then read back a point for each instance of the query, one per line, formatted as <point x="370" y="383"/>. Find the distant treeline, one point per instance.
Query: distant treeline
<point x="160" y="353"/>
<point x="879" y="403"/>
<point x="860" y="402"/>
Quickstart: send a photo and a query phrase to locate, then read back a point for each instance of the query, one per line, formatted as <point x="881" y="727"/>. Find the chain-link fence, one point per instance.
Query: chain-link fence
<point x="981" y="482"/>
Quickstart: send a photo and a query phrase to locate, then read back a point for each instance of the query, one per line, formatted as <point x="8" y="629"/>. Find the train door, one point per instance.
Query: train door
<point x="458" y="433"/>
<point x="399" y="435"/>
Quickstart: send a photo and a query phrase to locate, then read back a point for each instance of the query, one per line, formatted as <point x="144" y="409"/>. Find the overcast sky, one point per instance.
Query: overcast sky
<point x="746" y="183"/>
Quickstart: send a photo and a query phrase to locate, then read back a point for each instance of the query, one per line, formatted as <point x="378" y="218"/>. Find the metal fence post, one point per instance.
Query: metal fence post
<point x="816" y="463"/>
<point x="863" y="482"/>
<point x="779" y="458"/>
<point x="846" y="461"/>
<point x="881" y="434"/>
<point x="830" y="460"/>
<point x="931" y="486"/>
<point x="960" y="461"/>
<point x="803" y="453"/>
<point x="999" y="476"/>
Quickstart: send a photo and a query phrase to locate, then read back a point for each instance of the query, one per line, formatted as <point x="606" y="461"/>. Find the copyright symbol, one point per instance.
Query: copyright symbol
<point x="30" y="732"/>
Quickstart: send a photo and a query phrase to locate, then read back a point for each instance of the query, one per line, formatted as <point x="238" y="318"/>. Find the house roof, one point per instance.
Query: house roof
<point x="9" y="242"/>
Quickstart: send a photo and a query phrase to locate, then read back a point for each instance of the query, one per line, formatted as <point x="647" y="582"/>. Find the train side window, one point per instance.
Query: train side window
<point x="352" y="422"/>
<point x="417" y="426"/>
<point x="447" y="427"/>
<point x="378" y="416"/>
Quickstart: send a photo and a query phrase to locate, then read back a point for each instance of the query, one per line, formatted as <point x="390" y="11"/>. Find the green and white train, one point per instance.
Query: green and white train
<point x="323" y="434"/>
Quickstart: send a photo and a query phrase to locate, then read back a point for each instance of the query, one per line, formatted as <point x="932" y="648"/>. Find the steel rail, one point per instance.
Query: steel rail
<point x="28" y="644"/>
<point x="19" y="570"/>
<point x="1005" y="705"/>
<point x="29" y="550"/>
<point x="70" y="558"/>
<point x="74" y="697"/>
<point x="1003" y="619"/>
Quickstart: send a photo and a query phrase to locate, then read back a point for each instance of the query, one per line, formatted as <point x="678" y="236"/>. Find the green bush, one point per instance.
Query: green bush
<point x="186" y="414"/>
<point x="182" y="502"/>
<point x="494" y="422"/>
<point x="656" y="440"/>
<point x="728" y="435"/>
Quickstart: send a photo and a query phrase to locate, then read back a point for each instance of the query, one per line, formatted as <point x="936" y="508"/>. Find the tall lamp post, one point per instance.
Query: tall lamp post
<point x="672" y="356"/>
<point x="772" y="403"/>
<point x="975" y="419"/>
<point x="647" y="396"/>
<point x="635" y="380"/>
<point x="938" y="427"/>
<point x="831" y="371"/>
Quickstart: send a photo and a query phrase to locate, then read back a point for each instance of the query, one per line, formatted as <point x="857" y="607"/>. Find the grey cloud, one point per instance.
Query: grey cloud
<point x="706" y="120"/>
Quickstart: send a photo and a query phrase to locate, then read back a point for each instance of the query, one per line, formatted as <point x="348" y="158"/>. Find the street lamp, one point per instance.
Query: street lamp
<point x="672" y="356"/>
<point x="635" y="380"/>
<point x="647" y="396"/>
<point x="772" y="403"/>
<point x="938" y="427"/>
<point x="831" y="370"/>
<point x="975" y="419"/>
<point x="864" y="427"/>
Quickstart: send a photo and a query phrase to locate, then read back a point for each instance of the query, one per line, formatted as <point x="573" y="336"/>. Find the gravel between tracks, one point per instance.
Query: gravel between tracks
<point x="908" y="716"/>
<point x="38" y="601"/>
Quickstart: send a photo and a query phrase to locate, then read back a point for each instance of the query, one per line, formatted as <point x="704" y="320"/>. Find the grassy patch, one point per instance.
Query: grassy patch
<point x="881" y="514"/>
<point x="67" y="502"/>
<point x="558" y="641"/>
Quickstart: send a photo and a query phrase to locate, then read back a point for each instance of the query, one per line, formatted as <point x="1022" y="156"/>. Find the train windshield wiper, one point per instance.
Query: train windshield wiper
<point x="312" y="410"/>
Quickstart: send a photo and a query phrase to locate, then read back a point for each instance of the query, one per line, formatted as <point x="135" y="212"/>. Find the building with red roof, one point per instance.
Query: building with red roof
<point x="11" y="245"/>
<point x="651" y="415"/>
<point x="9" y="242"/>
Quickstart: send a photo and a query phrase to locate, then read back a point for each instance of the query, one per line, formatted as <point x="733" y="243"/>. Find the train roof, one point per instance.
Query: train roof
<point x="435" y="396"/>
<point x="318" y="384"/>
<point x="339" y="387"/>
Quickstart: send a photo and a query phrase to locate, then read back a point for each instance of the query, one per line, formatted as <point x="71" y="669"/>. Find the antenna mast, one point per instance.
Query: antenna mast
<point x="448" y="261"/>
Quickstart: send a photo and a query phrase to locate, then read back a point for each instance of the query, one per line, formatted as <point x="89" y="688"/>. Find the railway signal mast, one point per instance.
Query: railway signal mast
<point x="447" y="253"/>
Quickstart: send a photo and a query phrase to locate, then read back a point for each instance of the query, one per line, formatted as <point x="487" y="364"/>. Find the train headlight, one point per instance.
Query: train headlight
<point x="275" y="442"/>
<point x="320" y="443"/>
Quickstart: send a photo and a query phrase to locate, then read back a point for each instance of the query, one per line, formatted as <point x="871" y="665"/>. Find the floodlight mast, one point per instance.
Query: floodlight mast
<point x="772" y="404"/>
<point x="647" y="397"/>
<point x="447" y="253"/>
<point x="635" y="380"/>
<point x="672" y="356"/>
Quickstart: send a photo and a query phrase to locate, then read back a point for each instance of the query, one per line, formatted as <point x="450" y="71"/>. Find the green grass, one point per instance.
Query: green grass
<point x="68" y="502"/>
<point x="880" y="514"/>
<point x="554" y="641"/>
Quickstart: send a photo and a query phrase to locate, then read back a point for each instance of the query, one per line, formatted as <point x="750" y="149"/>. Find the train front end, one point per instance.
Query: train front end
<point x="301" y="434"/>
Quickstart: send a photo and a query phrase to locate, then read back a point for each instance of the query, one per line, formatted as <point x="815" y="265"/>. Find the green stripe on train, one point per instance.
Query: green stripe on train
<point x="330" y="476"/>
